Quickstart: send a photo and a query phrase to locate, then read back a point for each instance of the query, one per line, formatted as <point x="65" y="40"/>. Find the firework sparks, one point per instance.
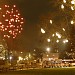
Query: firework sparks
<point x="11" y="21"/>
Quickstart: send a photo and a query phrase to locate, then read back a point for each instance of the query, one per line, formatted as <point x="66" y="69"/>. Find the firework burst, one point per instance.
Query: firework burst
<point x="11" y="22"/>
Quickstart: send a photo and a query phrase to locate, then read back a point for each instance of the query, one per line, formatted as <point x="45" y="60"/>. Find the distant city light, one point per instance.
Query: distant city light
<point x="42" y="30"/>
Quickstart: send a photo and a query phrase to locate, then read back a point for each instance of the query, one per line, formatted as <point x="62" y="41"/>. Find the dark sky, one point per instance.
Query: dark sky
<point x="31" y="10"/>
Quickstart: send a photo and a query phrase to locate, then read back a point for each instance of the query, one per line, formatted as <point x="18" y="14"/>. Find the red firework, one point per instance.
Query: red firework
<point x="11" y="22"/>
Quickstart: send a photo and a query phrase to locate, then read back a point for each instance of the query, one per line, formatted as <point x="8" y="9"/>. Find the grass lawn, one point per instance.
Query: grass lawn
<point x="54" y="71"/>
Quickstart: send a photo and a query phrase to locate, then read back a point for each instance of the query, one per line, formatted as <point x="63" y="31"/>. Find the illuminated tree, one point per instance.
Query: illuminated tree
<point x="3" y="49"/>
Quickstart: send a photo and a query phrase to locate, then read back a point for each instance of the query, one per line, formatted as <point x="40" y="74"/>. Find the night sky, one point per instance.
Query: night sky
<point x="31" y="10"/>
